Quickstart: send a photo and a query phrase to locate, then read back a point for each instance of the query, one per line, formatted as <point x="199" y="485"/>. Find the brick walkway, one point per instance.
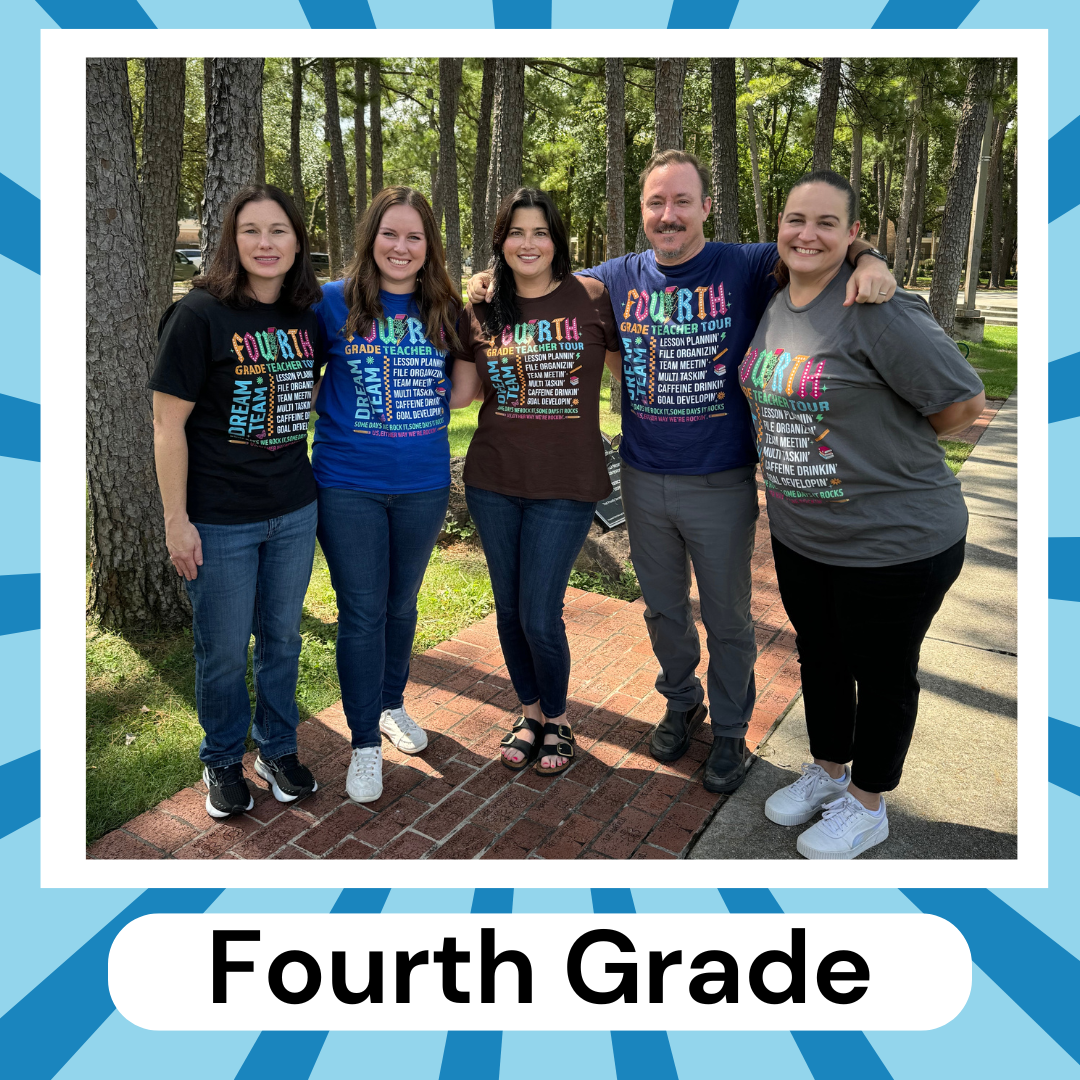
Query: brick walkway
<point x="456" y="801"/>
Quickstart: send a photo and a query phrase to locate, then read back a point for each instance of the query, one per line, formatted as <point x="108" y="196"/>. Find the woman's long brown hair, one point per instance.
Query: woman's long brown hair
<point x="226" y="279"/>
<point x="439" y="302"/>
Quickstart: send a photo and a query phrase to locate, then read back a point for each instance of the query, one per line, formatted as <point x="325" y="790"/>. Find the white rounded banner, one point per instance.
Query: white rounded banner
<point x="578" y="973"/>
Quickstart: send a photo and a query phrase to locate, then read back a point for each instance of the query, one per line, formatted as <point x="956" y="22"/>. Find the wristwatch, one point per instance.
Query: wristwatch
<point x="869" y="251"/>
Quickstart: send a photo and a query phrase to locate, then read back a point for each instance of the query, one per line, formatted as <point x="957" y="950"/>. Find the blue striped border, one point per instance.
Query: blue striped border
<point x="20" y="781"/>
<point x="73" y="1002"/>
<point x="20" y="603"/>
<point x="1033" y="969"/>
<point x="20" y="238"/>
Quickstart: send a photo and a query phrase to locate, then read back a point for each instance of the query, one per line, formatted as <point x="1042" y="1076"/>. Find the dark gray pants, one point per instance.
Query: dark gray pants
<point x="707" y="520"/>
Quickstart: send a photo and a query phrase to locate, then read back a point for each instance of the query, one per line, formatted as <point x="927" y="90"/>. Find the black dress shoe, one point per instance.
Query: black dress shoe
<point x="727" y="765"/>
<point x="672" y="736"/>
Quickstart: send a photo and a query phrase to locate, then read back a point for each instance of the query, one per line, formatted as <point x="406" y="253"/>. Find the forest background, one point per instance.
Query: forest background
<point x="170" y="140"/>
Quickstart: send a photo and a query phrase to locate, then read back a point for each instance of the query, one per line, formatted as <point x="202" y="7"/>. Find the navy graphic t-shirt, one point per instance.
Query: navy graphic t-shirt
<point x="683" y="331"/>
<point x="384" y="403"/>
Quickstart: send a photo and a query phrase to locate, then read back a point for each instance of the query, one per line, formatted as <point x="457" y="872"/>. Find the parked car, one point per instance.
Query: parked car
<point x="183" y="268"/>
<point x="194" y="254"/>
<point x="321" y="262"/>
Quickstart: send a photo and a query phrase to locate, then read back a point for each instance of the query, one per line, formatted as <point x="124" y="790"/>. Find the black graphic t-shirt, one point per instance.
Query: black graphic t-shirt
<point x="249" y="372"/>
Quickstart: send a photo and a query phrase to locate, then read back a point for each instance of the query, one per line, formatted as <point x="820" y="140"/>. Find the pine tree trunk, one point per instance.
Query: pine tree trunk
<point x="320" y="195"/>
<point x="360" y="138"/>
<point x="828" y="98"/>
<point x="615" y="169"/>
<point x="755" y="164"/>
<point x="997" y="200"/>
<point x="956" y="223"/>
<point x="725" y="151"/>
<point x="333" y="224"/>
<point x="295" y="160"/>
<point x="233" y="139"/>
<point x="667" y="104"/>
<point x="507" y="132"/>
<point x="159" y="184"/>
<point x="589" y="229"/>
<point x="907" y="195"/>
<point x="481" y="223"/>
<point x="884" y="237"/>
<point x="375" y="103"/>
<point x="449" y="81"/>
<point x="855" y="178"/>
<point x="919" y="215"/>
<point x="615" y="178"/>
<point x="1008" y="238"/>
<point x="883" y="221"/>
<point x="342" y="201"/>
<point x="132" y="584"/>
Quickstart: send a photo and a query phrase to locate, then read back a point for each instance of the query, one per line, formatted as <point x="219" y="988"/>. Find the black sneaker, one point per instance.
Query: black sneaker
<point x="288" y="779"/>
<point x="228" y="792"/>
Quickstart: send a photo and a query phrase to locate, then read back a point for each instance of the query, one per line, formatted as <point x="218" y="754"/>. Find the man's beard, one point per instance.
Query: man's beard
<point x="676" y="254"/>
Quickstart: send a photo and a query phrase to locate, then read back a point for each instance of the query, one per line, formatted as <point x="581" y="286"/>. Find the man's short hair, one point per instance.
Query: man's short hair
<point x="663" y="158"/>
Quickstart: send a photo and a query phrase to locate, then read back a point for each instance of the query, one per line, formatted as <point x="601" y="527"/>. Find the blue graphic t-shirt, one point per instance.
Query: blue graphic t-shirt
<point x="683" y="331"/>
<point x="384" y="403"/>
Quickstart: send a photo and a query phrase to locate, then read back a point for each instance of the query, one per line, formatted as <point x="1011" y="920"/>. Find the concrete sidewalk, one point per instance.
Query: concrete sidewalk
<point x="957" y="799"/>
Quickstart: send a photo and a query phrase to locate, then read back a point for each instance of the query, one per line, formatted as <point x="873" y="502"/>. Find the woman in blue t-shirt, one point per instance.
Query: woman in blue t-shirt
<point x="382" y="461"/>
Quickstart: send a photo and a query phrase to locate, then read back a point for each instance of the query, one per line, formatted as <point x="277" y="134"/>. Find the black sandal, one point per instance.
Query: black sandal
<point x="511" y="742"/>
<point x="564" y="748"/>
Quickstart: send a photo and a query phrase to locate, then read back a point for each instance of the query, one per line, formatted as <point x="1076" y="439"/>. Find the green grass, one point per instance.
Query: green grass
<point x="142" y="731"/>
<point x="624" y="587"/>
<point x="996" y="356"/>
<point x="956" y="453"/>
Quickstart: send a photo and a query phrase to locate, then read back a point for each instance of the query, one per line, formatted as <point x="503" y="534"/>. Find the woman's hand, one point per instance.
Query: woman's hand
<point x="481" y="289"/>
<point x="185" y="548"/>
<point x="871" y="282"/>
<point x="954" y="418"/>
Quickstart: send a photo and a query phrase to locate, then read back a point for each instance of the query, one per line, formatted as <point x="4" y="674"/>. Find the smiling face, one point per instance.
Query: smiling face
<point x="267" y="245"/>
<point x="814" y="232"/>
<point x="529" y="249"/>
<point x="674" y="212"/>
<point x="400" y="249"/>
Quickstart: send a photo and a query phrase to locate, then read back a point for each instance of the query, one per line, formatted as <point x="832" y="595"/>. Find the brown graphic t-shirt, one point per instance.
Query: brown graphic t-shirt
<point x="538" y="435"/>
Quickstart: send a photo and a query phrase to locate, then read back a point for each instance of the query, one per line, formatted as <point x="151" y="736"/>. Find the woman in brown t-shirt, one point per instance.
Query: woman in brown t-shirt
<point x="535" y="468"/>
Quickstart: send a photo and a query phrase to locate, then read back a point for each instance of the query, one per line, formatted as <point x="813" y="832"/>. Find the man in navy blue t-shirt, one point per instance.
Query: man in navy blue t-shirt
<point x="687" y="311"/>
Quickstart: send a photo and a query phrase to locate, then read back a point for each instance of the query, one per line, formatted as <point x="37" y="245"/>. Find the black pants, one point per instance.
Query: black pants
<point x="859" y="630"/>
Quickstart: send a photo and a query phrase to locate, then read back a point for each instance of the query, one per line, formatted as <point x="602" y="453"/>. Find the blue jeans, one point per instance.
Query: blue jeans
<point x="252" y="581"/>
<point x="531" y="545"/>
<point x="377" y="547"/>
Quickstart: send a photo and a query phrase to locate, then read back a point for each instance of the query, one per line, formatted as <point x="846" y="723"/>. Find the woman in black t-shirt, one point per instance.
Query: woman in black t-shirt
<point x="232" y="398"/>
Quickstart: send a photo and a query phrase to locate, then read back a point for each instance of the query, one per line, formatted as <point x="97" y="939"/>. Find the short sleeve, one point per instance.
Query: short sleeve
<point x="601" y="273"/>
<point x="761" y="260"/>
<point x="466" y="336"/>
<point x="183" y="354"/>
<point x="602" y="299"/>
<point x="919" y="361"/>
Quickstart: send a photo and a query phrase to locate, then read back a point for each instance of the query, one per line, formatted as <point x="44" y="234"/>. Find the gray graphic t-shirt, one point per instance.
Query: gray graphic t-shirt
<point x="853" y="470"/>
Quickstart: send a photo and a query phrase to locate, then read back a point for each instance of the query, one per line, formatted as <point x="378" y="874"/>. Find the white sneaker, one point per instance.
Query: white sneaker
<point x="845" y="830"/>
<point x="402" y="730"/>
<point x="364" y="780"/>
<point x="798" y="802"/>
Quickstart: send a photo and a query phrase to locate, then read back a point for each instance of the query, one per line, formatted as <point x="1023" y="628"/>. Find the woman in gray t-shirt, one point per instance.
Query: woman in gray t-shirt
<point x="867" y="520"/>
